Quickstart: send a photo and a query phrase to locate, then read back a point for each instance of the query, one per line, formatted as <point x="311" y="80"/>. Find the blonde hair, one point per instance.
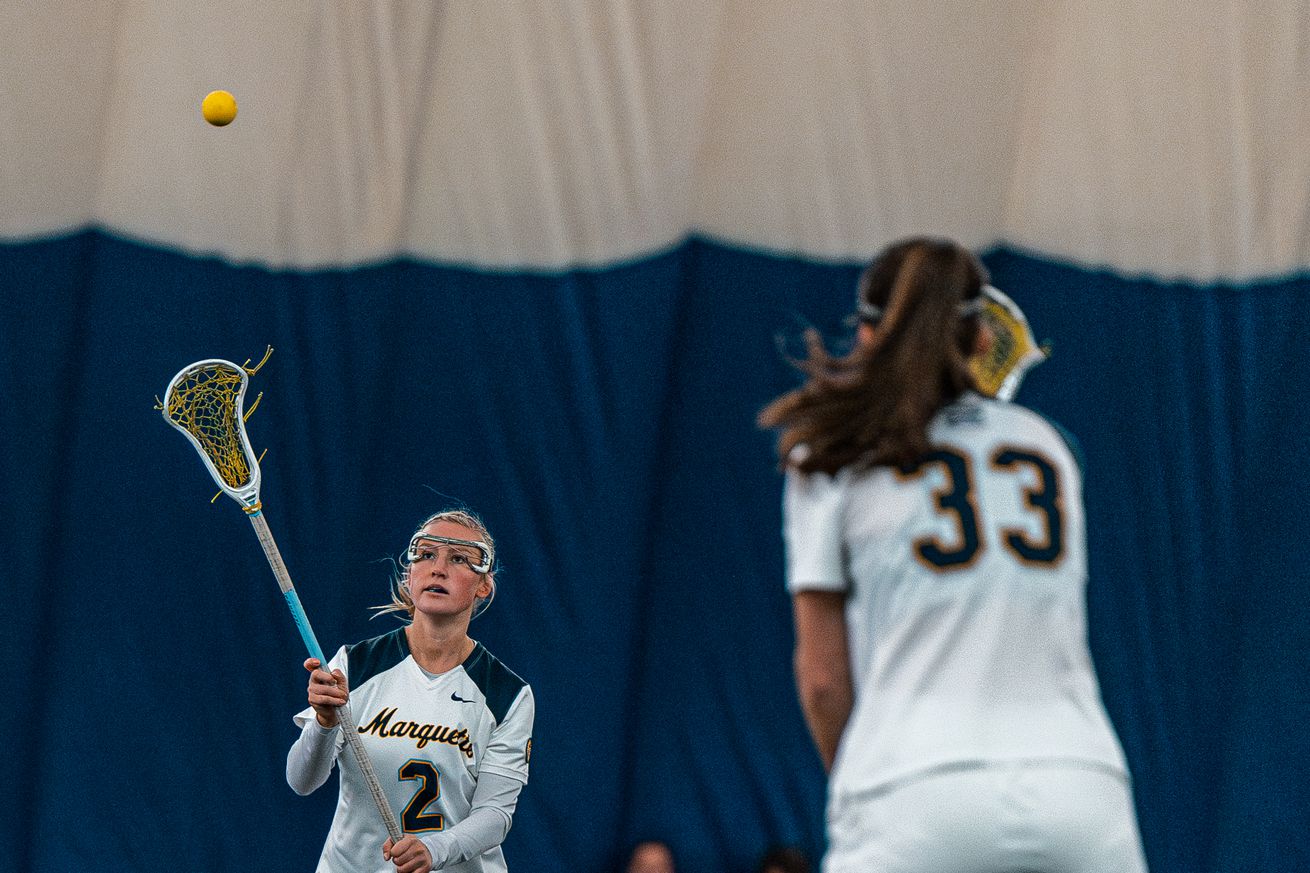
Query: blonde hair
<point x="401" y="601"/>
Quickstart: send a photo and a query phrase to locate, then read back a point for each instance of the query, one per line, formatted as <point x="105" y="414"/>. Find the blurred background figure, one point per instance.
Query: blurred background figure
<point x="784" y="859"/>
<point x="651" y="856"/>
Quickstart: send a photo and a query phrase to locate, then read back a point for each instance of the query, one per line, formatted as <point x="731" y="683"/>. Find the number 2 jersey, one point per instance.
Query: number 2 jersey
<point x="429" y="737"/>
<point x="965" y="576"/>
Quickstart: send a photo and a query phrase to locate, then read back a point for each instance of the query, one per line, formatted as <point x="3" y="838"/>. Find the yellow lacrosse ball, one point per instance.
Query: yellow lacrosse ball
<point x="219" y="108"/>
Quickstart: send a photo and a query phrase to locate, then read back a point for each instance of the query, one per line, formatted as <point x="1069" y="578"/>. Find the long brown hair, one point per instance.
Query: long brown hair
<point x="872" y="406"/>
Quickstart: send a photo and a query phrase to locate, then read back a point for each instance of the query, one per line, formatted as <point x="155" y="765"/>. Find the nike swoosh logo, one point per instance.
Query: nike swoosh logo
<point x="456" y="697"/>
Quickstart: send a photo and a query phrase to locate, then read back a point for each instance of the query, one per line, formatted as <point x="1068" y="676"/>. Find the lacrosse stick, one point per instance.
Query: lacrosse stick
<point x="205" y="401"/>
<point x="1014" y="351"/>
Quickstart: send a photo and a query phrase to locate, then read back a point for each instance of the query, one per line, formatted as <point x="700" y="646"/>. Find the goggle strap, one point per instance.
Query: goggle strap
<point x="871" y="312"/>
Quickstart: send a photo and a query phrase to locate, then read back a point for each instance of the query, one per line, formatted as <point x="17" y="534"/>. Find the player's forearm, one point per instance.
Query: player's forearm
<point x="309" y="763"/>
<point x="485" y="827"/>
<point x="823" y="667"/>
<point x="826" y="699"/>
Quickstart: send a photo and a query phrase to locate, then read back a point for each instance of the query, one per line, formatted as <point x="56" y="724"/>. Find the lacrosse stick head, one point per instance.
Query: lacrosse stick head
<point x="1013" y="351"/>
<point x="205" y="401"/>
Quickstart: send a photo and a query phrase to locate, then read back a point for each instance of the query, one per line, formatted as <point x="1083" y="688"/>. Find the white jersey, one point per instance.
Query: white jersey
<point x="966" y="611"/>
<point x="429" y="738"/>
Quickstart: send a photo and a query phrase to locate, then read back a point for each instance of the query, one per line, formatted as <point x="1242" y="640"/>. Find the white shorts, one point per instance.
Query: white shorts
<point x="995" y="818"/>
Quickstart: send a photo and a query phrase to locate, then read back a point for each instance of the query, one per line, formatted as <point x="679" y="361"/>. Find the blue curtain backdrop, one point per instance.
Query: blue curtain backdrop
<point x="602" y="421"/>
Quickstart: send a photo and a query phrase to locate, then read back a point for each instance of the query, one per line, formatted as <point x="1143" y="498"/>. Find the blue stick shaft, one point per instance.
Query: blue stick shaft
<point x="347" y="719"/>
<point x="302" y="625"/>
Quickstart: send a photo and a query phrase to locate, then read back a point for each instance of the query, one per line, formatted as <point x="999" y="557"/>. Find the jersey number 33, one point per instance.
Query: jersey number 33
<point x="957" y="499"/>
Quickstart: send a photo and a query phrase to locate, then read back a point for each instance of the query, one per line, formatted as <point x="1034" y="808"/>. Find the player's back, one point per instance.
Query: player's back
<point x="966" y="575"/>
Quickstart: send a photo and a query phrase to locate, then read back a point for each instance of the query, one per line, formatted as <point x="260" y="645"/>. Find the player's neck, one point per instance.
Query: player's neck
<point x="438" y="647"/>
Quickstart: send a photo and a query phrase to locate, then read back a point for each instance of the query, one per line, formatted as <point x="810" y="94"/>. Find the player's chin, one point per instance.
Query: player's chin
<point x="440" y="605"/>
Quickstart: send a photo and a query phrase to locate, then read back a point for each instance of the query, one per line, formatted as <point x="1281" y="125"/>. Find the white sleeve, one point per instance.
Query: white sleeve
<point x="812" y="531"/>
<point x="510" y="745"/>
<point x="310" y="760"/>
<point x="309" y="763"/>
<point x="485" y="827"/>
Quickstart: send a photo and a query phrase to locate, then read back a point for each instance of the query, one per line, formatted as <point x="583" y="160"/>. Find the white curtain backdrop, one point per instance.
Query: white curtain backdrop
<point x="1164" y="138"/>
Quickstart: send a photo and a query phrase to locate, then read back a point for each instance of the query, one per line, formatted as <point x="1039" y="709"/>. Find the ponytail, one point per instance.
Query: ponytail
<point x="872" y="406"/>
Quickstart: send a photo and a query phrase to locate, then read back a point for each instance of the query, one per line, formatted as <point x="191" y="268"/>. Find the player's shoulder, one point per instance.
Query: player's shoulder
<point x="1023" y="422"/>
<point x="500" y="685"/>
<point x="816" y="481"/>
<point x="371" y="657"/>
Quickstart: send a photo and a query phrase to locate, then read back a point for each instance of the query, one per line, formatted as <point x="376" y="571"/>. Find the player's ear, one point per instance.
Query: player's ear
<point x="485" y="586"/>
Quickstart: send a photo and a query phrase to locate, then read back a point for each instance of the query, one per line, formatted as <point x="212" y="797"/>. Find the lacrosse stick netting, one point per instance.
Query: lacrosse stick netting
<point x="206" y="402"/>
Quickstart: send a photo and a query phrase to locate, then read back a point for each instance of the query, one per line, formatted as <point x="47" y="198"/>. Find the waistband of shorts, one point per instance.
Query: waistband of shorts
<point x="980" y="764"/>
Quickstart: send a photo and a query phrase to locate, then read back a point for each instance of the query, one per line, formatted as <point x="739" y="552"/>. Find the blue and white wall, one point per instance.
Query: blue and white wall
<point x="534" y="256"/>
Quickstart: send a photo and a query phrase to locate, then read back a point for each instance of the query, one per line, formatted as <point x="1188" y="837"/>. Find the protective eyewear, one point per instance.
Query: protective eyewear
<point x="426" y="547"/>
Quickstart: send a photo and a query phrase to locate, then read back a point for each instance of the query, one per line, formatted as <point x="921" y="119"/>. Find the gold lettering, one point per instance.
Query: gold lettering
<point x="422" y="734"/>
<point x="378" y="725"/>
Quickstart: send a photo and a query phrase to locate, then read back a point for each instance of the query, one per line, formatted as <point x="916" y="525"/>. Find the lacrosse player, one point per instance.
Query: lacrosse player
<point x="447" y="726"/>
<point x="937" y="561"/>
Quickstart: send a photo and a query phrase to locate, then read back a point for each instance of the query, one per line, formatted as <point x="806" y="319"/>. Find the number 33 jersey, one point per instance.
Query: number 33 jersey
<point x="965" y="576"/>
<point x="429" y="737"/>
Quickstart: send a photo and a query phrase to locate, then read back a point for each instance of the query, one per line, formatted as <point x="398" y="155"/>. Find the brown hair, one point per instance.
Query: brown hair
<point x="872" y="406"/>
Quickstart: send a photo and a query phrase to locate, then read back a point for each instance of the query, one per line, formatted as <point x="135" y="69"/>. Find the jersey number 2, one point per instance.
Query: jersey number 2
<point x="957" y="501"/>
<point x="414" y="819"/>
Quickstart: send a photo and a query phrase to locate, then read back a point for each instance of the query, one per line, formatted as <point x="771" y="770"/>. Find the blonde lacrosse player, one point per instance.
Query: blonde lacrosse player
<point x="447" y="726"/>
<point x="937" y="561"/>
